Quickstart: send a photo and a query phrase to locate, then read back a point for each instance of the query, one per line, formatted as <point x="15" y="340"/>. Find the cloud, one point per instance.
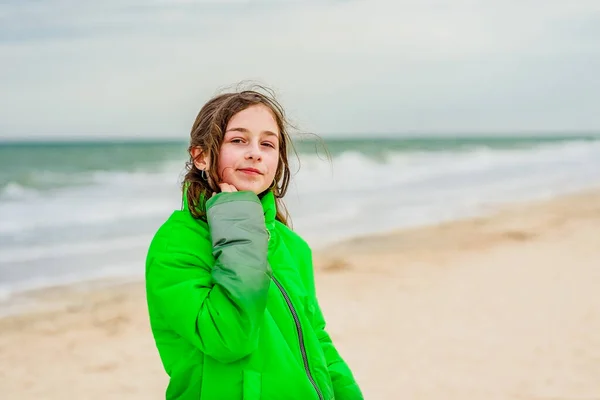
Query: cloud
<point x="129" y="67"/>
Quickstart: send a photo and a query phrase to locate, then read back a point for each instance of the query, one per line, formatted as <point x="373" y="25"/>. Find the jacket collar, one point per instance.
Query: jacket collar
<point x="267" y="200"/>
<point x="269" y="208"/>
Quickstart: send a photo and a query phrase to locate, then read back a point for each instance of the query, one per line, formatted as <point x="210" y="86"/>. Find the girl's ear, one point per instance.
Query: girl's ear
<point x="201" y="159"/>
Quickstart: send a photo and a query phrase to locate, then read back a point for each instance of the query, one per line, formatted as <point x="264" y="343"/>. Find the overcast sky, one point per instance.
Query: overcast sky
<point x="125" y="68"/>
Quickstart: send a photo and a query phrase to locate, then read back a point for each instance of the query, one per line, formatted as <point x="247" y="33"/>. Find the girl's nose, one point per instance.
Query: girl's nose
<point x="254" y="153"/>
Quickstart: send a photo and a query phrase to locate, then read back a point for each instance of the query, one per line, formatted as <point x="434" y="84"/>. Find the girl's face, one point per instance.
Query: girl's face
<point x="250" y="151"/>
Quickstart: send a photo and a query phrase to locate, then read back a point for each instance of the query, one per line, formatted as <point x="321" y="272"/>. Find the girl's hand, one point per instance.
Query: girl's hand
<point x="227" y="187"/>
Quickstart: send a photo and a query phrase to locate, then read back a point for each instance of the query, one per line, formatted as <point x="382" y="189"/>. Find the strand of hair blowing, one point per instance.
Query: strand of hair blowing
<point x="207" y="133"/>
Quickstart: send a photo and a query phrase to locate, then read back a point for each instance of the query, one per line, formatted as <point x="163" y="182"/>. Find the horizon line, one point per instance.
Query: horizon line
<point x="334" y="136"/>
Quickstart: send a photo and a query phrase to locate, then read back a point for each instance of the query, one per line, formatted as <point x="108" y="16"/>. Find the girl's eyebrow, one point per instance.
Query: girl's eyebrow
<point x="244" y="130"/>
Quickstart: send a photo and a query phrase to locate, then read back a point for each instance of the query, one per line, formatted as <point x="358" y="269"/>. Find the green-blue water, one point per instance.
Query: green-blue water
<point x="21" y="162"/>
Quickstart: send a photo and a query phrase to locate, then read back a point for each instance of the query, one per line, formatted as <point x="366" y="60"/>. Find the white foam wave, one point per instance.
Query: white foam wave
<point x="16" y="191"/>
<point x="114" y="197"/>
<point x="90" y="248"/>
<point x="110" y="197"/>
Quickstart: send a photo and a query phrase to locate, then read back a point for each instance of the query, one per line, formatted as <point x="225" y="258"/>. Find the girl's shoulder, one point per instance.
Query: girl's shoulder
<point x="181" y="232"/>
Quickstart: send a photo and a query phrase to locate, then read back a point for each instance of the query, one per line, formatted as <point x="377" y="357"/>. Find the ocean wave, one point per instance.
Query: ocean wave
<point x="121" y="197"/>
<point x="15" y="191"/>
<point x="49" y="181"/>
<point x="33" y="182"/>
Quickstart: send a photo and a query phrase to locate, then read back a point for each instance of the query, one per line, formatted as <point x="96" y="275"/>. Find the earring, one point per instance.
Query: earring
<point x="203" y="174"/>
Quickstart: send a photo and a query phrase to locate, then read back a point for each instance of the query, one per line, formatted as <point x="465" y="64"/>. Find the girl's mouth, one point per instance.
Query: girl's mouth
<point x="250" y="171"/>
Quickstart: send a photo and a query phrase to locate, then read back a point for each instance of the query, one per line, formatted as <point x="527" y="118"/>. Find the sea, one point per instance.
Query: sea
<point x="80" y="211"/>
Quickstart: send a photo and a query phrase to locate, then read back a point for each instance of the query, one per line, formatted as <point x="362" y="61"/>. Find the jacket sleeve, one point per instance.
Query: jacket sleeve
<point x="219" y="308"/>
<point x="344" y="384"/>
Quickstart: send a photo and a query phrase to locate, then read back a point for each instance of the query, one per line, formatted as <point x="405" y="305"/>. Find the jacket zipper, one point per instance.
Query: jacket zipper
<point x="300" y="337"/>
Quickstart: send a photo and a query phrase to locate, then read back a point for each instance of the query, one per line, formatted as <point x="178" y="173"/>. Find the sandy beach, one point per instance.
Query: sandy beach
<point x="498" y="307"/>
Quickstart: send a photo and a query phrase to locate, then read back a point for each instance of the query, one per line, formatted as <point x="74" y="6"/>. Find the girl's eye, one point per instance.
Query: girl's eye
<point x="236" y="140"/>
<point x="269" y="144"/>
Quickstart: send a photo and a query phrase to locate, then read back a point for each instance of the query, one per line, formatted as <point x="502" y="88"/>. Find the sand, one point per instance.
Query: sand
<point x="498" y="307"/>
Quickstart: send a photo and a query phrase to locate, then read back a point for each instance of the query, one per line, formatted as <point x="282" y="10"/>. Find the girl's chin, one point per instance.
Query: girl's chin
<point x="245" y="186"/>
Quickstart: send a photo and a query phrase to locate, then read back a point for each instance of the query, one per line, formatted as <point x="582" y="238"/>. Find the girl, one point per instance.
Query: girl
<point x="230" y="288"/>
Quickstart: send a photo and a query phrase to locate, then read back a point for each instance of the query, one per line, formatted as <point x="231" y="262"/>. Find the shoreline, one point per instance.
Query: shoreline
<point x="20" y="300"/>
<point x="94" y="283"/>
<point x="500" y="306"/>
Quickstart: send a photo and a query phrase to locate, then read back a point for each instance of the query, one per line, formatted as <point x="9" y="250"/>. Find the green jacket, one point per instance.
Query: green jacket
<point x="233" y="309"/>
